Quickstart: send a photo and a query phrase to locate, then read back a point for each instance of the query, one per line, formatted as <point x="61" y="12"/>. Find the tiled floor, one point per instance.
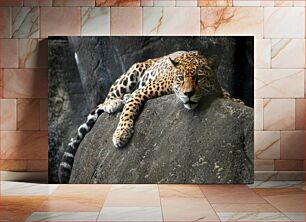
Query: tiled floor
<point x="262" y="201"/>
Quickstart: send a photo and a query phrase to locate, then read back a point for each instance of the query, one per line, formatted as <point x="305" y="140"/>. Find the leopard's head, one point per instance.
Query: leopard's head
<point x="189" y="80"/>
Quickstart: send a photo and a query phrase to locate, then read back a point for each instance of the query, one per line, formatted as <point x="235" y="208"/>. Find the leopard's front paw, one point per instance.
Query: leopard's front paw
<point x="122" y="136"/>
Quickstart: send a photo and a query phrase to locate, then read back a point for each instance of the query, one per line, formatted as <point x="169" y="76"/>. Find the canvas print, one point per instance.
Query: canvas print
<point x="151" y="109"/>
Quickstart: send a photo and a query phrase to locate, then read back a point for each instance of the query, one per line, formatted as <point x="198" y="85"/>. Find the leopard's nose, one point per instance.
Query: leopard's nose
<point x="189" y="93"/>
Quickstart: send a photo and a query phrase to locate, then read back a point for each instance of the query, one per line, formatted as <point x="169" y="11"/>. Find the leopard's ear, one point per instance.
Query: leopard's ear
<point x="174" y="63"/>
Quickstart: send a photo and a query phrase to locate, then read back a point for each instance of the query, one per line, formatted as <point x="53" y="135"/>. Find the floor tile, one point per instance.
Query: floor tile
<point x="63" y="216"/>
<point x="130" y="214"/>
<point x="26" y="189"/>
<point x="277" y="184"/>
<point x="264" y="207"/>
<point x="285" y="200"/>
<point x="172" y="190"/>
<point x="71" y="204"/>
<point x="296" y="216"/>
<point x="95" y="191"/>
<point x="19" y="208"/>
<point x="278" y="191"/>
<point x="133" y="196"/>
<point x="274" y="216"/>
<point x="187" y="209"/>
<point x="230" y="194"/>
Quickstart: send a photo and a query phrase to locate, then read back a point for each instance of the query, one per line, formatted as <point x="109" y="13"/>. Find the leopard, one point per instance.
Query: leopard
<point x="187" y="74"/>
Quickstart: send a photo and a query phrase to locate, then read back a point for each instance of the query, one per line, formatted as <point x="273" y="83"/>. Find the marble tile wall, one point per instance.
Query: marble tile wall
<point x="278" y="27"/>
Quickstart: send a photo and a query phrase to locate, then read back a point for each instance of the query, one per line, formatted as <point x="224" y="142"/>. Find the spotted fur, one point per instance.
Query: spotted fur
<point x="187" y="74"/>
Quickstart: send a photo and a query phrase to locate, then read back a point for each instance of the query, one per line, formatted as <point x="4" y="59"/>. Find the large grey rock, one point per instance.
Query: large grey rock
<point x="212" y="144"/>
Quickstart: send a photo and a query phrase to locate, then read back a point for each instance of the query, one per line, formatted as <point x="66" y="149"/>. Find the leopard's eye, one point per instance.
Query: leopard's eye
<point x="180" y="77"/>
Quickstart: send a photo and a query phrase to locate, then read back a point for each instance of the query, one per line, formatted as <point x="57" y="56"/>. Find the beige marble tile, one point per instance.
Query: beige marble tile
<point x="295" y="216"/>
<point x="24" y="145"/>
<point x="289" y="165"/>
<point x="126" y="20"/>
<point x="220" y="3"/>
<point x="130" y="214"/>
<point x="183" y="191"/>
<point x="13" y="165"/>
<point x="229" y="194"/>
<point x="71" y="204"/>
<point x="248" y="3"/>
<point x="263" y="53"/>
<point x="304" y="83"/>
<point x="266" y="3"/>
<point x="5" y="22"/>
<point x="25" y="22"/>
<point x="146" y="3"/>
<point x="37" y="165"/>
<point x="279" y="83"/>
<point x="277" y="184"/>
<point x="63" y="216"/>
<point x="8" y="53"/>
<point x="299" y="3"/>
<point x="292" y="144"/>
<point x="95" y="21"/>
<point x="33" y="53"/>
<point x="25" y="83"/>
<point x="263" y="165"/>
<point x="43" y="114"/>
<point x="18" y="208"/>
<point x="279" y="175"/>
<point x="253" y="216"/>
<point x="232" y="21"/>
<point x="90" y="191"/>
<point x="300" y="114"/>
<point x="1" y="83"/>
<point x="258" y="114"/>
<point x="6" y="3"/>
<point x="278" y="19"/>
<point x="186" y="3"/>
<point x="123" y="3"/>
<point x="162" y="3"/>
<point x="133" y="196"/>
<point x="286" y="200"/>
<point x="263" y="207"/>
<point x="8" y="114"/>
<point x="27" y="114"/>
<point x="37" y="2"/>
<point x="73" y="3"/>
<point x="159" y="21"/>
<point x="279" y="114"/>
<point x="26" y="189"/>
<point x="267" y="145"/>
<point x="187" y="209"/>
<point x="283" y="3"/>
<point x="284" y="49"/>
<point x="51" y="17"/>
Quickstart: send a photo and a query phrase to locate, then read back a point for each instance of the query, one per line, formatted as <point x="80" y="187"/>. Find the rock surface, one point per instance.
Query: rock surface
<point x="212" y="144"/>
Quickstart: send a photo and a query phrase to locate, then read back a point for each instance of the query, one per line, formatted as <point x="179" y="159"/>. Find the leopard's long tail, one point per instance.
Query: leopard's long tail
<point x="66" y="163"/>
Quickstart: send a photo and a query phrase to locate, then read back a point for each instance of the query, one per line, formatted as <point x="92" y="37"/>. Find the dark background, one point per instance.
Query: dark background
<point x="78" y="85"/>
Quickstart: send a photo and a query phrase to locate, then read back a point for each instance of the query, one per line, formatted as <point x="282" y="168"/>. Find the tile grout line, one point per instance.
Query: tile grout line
<point x="109" y="190"/>
<point x="161" y="208"/>
<point x="209" y="203"/>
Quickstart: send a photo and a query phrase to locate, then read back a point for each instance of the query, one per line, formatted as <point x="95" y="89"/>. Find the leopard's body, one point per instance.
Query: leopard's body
<point x="187" y="74"/>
